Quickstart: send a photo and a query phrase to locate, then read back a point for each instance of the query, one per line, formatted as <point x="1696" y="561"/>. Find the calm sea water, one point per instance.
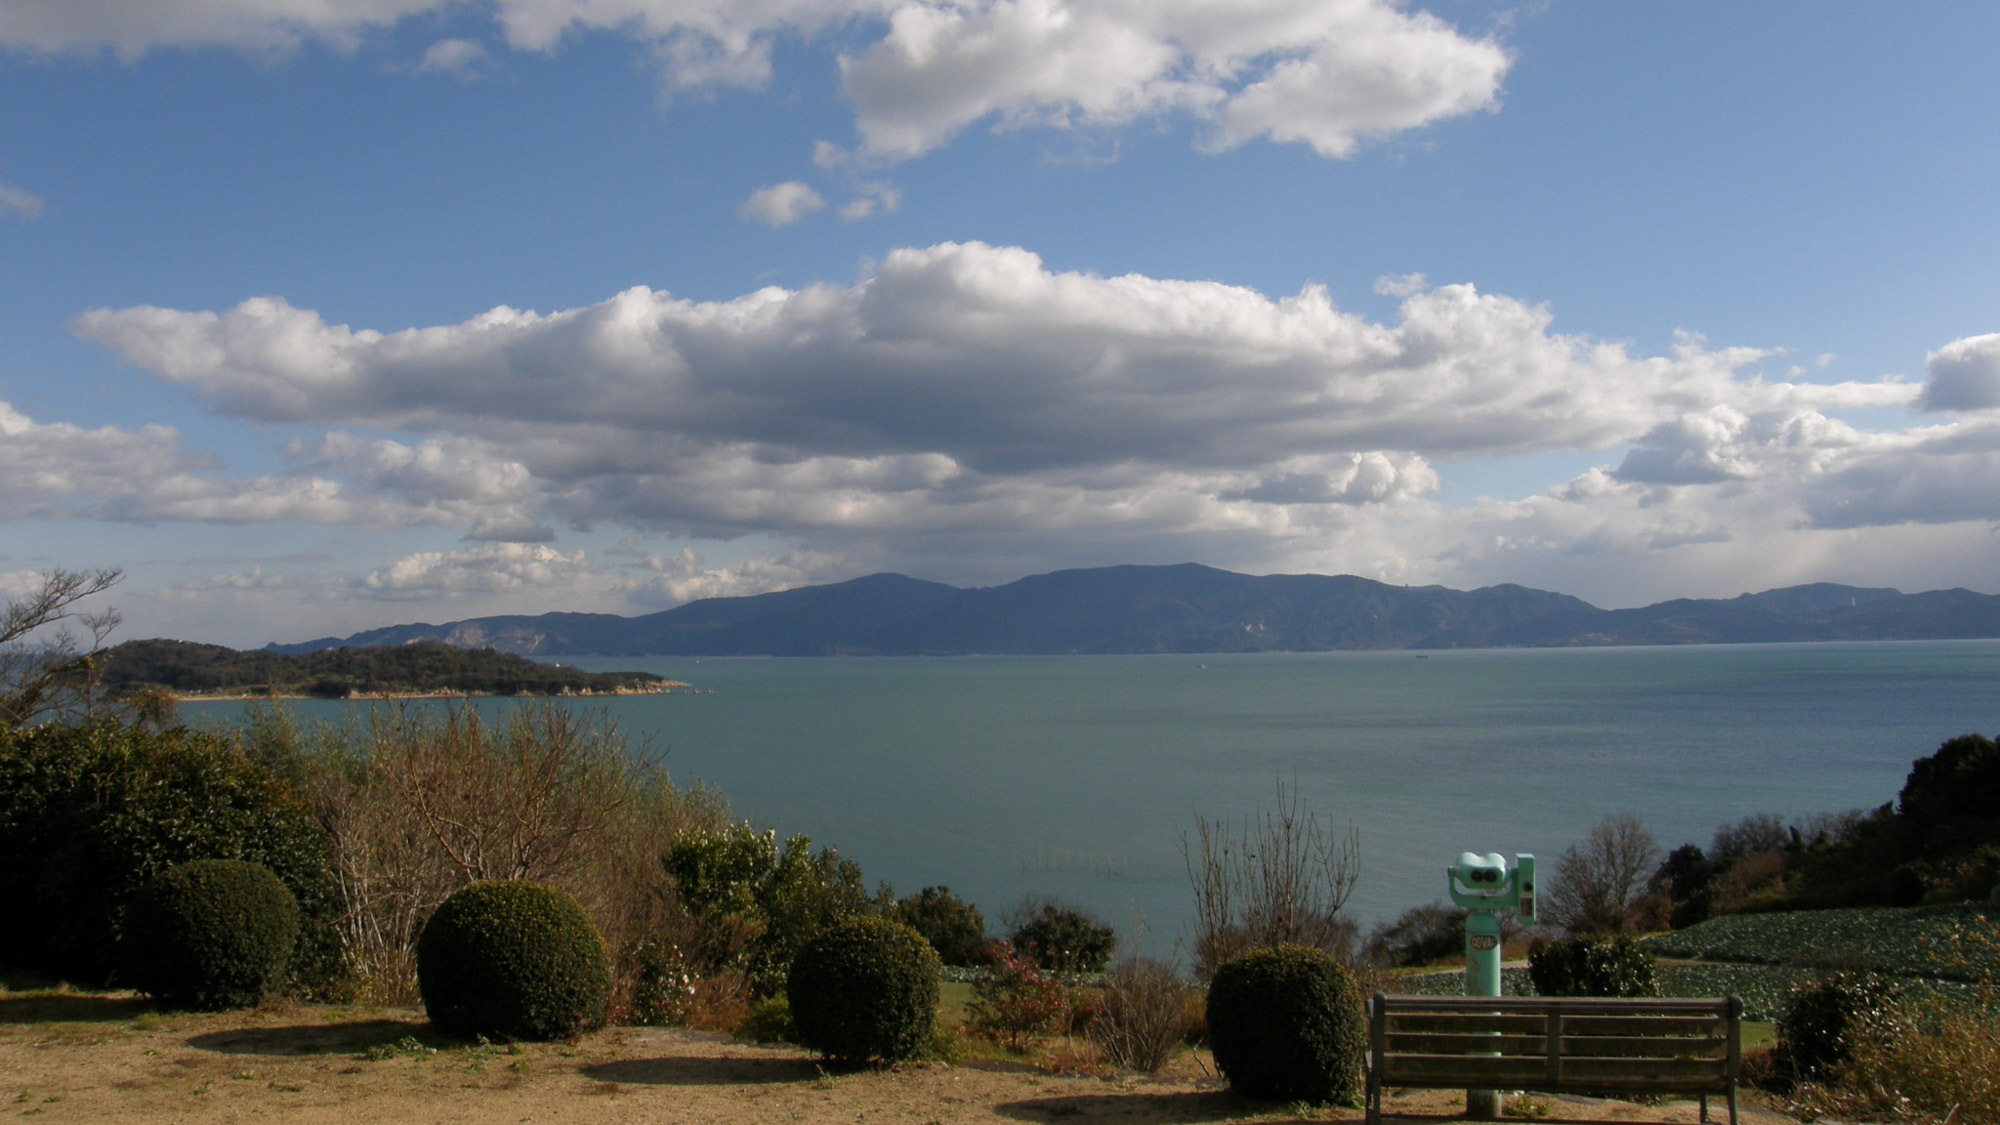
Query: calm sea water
<point x="1073" y="776"/>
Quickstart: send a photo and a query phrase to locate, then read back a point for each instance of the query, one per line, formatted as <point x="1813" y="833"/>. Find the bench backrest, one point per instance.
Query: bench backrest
<point x="1621" y="1044"/>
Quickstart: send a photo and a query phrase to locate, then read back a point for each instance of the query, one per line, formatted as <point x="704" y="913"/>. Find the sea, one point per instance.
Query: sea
<point x="1080" y="777"/>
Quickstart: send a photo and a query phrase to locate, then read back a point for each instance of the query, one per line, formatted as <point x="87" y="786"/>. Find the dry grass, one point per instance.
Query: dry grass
<point x="1939" y="1063"/>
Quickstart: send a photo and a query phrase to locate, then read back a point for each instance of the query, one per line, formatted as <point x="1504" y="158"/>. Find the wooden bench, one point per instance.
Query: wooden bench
<point x="1582" y="1045"/>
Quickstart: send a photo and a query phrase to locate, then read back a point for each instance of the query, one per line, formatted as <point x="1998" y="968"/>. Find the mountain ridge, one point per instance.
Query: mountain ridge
<point x="1191" y="608"/>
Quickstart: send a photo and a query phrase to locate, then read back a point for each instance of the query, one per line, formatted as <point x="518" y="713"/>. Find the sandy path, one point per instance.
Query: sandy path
<point x="97" y="1059"/>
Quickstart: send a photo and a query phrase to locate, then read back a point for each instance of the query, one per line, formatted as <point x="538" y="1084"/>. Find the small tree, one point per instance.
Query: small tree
<point x="1281" y="879"/>
<point x="953" y="926"/>
<point x="1016" y="1002"/>
<point x="1599" y="881"/>
<point x="1062" y="938"/>
<point x="45" y="667"/>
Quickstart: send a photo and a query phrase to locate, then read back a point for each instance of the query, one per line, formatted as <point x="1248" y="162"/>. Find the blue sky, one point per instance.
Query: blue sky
<point x="318" y="315"/>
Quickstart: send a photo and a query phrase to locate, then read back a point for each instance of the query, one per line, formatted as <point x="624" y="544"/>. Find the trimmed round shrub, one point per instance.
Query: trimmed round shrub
<point x="1287" y="1024"/>
<point x="209" y="934"/>
<point x="865" y="989"/>
<point x="1593" y="966"/>
<point x="513" y="960"/>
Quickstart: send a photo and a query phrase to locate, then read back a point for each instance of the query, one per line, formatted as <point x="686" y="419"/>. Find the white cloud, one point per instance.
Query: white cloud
<point x="484" y="568"/>
<point x="971" y="353"/>
<point x="25" y="204"/>
<point x="1964" y="375"/>
<point x="490" y="569"/>
<point x="780" y="205"/>
<point x="966" y="412"/>
<point x="686" y="577"/>
<point x="132" y="30"/>
<point x="872" y="198"/>
<point x="460" y="58"/>
<point x="1326" y="73"/>
<point x="58" y="470"/>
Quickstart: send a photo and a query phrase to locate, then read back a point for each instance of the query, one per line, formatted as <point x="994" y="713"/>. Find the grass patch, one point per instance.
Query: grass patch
<point x="60" y="1005"/>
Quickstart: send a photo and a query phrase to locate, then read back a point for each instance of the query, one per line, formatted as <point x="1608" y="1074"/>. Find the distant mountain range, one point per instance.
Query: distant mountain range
<point x="1191" y="608"/>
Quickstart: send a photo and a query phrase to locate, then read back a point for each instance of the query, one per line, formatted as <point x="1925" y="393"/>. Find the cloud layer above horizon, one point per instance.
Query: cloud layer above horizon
<point x="1324" y="73"/>
<point x="963" y="401"/>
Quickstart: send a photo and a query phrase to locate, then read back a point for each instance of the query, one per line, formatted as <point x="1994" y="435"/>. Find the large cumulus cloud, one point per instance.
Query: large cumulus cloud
<point x="966" y="402"/>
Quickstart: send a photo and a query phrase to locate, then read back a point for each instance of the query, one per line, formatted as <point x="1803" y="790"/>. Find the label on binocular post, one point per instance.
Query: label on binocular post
<point x="1484" y="942"/>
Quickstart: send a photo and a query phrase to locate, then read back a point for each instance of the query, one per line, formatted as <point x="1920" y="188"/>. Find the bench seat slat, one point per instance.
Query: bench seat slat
<point x="1714" y="1047"/>
<point x="1531" y="1023"/>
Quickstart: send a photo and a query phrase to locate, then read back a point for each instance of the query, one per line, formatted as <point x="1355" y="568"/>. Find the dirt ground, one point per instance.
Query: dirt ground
<point x="96" y="1057"/>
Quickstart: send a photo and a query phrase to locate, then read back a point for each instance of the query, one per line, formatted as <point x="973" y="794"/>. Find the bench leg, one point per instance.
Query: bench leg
<point x="1704" y="1109"/>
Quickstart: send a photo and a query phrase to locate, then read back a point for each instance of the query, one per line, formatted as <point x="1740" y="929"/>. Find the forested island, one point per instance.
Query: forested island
<point x="418" y="668"/>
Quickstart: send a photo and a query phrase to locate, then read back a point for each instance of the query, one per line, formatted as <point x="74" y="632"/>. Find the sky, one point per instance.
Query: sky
<point x="323" y="315"/>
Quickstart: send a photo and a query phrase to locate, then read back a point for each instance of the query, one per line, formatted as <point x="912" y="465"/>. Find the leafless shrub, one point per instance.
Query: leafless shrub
<point x="1758" y="832"/>
<point x="420" y="801"/>
<point x="1281" y="878"/>
<point x="1599" y="881"/>
<point x="1144" y="1017"/>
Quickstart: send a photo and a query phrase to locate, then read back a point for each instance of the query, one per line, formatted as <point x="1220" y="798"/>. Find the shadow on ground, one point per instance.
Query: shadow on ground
<point x="1165" y="1109"/>
<point x="705" y="1071"/>
<point x="70" y="1007"/>
<point x="321" y="1039"/>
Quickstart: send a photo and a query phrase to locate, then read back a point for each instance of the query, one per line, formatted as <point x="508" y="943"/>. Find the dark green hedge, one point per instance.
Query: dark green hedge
<point x="1593" y="966"/>
<point x="89" y="813"/>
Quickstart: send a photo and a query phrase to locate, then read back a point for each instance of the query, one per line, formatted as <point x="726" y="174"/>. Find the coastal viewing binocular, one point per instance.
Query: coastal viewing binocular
<point x="1484" y="882"/>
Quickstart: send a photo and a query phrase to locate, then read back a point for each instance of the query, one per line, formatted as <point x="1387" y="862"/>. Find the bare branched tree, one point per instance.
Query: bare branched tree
<point x="46" y="666"/>
<point x="1280" y="878"/>
<point x="1598" y="881"/>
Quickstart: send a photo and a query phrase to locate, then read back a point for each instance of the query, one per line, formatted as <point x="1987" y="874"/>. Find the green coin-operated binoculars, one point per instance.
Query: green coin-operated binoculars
<point x="1484" y="887"/>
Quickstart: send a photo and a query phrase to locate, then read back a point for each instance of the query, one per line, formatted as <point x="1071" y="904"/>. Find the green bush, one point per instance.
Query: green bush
<point x="738" y="879"/>
<point x="89" y="813"/>
<point x="769" y="1021"/>
<point x="1287" y="1024"/>
<point x="663" y="984"/>
<point x="1016" y="1002"/>
<point x="953" y="926"/>
<point x="210" y="934"/>
<point x="1593" y="966"/>
<point x="513" y="960"/>
<point x="865" y="989"/>
<point x="1064" y="939"/>
<point x="1826" y="1020"/>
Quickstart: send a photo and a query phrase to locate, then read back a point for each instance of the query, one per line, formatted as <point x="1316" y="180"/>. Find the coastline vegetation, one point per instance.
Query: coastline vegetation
<point x="372" y="824"/>
<point x="186" y="670"/>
